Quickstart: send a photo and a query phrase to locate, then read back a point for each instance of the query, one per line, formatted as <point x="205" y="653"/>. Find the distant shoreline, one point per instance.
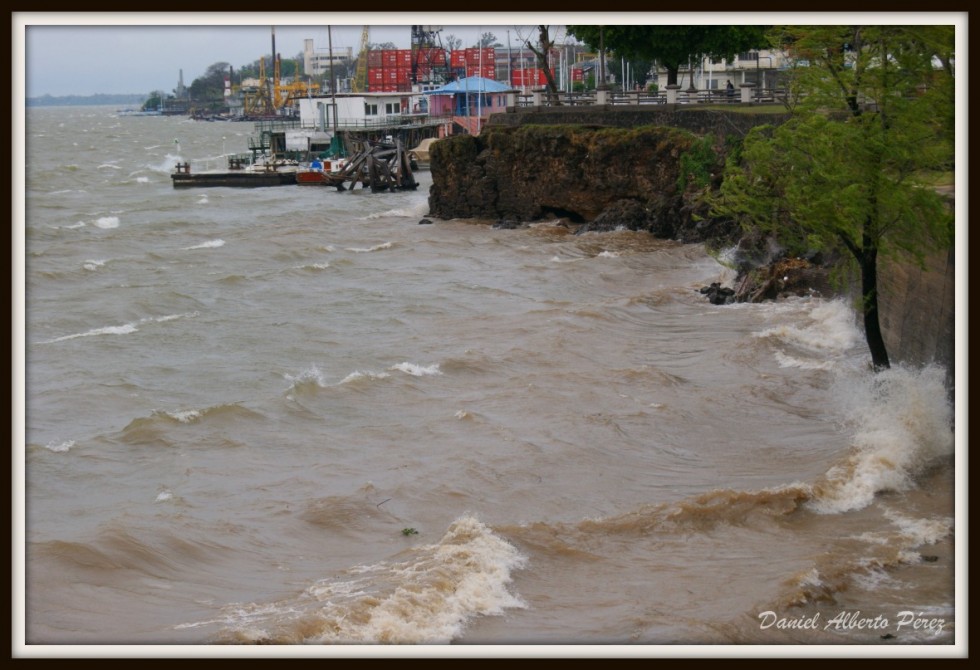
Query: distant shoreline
<point x="97" y="99"/>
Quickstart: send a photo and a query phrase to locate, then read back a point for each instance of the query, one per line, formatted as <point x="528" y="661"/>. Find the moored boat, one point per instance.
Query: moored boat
<point x="325" y="173"/>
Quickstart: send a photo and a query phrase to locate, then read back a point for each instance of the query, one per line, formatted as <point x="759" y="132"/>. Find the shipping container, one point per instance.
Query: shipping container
<point x="457" y="59"/>
<point x="487" y="71"/>
<point x="475" y="56"/>
<point x="374" y="58"/>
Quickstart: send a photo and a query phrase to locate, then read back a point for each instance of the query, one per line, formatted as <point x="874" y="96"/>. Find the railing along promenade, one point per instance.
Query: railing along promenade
<point x="745" y="94"/>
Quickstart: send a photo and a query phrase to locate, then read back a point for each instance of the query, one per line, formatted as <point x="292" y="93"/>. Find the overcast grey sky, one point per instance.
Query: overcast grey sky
<point x="93" y="52"/>
<point x="83" y="53"/>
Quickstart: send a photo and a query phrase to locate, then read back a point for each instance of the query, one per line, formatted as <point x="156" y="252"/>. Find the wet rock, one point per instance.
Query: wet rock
<point x="718" y="294"/>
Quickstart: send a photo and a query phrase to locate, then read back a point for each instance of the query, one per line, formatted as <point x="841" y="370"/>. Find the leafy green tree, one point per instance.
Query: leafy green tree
<point x="210" y="86"/>
<point x="850" y="170"/>
<point x="672" y="46"/>
<point x="154" y="102"/>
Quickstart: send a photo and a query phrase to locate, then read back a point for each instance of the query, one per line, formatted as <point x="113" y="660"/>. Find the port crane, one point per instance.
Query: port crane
<point x="359" y="85"/>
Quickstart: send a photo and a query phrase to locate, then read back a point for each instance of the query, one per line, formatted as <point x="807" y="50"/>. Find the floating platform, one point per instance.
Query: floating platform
<point x="184" y="178"/>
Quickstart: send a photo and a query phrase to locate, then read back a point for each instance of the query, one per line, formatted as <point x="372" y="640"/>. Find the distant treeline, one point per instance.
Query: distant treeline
<point x="97" y="99"/>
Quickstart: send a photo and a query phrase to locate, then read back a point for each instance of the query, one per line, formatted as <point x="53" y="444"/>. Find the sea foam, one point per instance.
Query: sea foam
<point x="902" y="423"/>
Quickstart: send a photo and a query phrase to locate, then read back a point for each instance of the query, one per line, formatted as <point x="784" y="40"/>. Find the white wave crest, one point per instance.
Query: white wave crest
<point x="903" y="425"/>
<point x="186" y="416"/>
<point x="93" y="265"/>
<point x="107" y="222"/>
<point x="417" y="370"/>
<point x="832" y="328"/>
<point x="210" y="244"/>
<point x="125" y="329"/>
<point x="108" y="330"/>
<point x="376" y="247"/>
<point x="358" y="375"/>
<point x="418" y="210"/>
<point x="310" y="375"/>
<point x="426" y="599"/>
<point x="60" y="447"/>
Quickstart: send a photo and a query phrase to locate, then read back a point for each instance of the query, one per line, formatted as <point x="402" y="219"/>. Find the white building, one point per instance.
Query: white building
<point x="316" y="63"/>
<point x="759" y="67"/>
<point x="357" y="110"/>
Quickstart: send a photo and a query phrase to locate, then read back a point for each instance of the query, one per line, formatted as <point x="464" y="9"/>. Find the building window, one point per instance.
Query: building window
<point x="370" y="109"/>
<point x="751" y="55"/>
<point x="393" y="108"/>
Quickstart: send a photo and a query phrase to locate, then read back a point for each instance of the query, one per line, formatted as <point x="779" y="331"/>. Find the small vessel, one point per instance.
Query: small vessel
<point x="325" y="173"/>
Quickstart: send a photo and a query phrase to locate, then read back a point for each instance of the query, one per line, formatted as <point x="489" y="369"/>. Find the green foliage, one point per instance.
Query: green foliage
<point x="875" y="113"/>
<point x="409" y="531"/>
<point x="697" y="164"/>
<point x="672" y="45"/>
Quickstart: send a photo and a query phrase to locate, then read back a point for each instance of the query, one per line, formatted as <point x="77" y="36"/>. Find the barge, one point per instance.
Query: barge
<point x="272" y="173"/>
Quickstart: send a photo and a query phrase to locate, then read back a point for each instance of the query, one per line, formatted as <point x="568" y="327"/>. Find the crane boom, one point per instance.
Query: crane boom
<point x="360" y="78"/>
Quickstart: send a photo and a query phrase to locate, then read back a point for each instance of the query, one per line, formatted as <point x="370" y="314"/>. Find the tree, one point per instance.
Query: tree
<point x="488" y="40"/>
<point x="672" y="46"/>
<point x="210" y="86"/>
<point x="155" y="101"/>
<point x="545" y="45"/>
<point x="849" y="171"/>
<point x="452" y="43"/>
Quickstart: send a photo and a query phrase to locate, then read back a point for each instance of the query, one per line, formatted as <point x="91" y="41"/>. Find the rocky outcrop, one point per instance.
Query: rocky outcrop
<point x="596" y="178"/>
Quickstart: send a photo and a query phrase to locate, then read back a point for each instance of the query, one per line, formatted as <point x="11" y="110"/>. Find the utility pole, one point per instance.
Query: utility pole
<point x="602" y="61"/>
<point x="333" y="87"/>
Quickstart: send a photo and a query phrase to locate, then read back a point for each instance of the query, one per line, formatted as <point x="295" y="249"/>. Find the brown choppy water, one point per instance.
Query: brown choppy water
<point x="292" y="416"/>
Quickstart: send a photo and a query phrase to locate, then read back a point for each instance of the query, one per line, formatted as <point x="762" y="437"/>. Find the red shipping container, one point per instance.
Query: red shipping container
<point x="404" y="75"/>
<point x="389" y="57"/>
<point x="375" y="75"/>
<point x="404" y="58"/>
<point x="391" y="76"/>
<point x="578" y="74"/>
<point x="374" y="58"/>
<point x="457" y="59"/>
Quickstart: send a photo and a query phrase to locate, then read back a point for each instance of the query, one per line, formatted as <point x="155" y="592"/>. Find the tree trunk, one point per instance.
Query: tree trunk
<point x="869" y="295"/>
<point x="542" y="56"/>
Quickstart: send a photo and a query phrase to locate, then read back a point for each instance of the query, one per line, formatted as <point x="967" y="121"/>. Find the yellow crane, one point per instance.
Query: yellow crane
<point x="359" y="85"/>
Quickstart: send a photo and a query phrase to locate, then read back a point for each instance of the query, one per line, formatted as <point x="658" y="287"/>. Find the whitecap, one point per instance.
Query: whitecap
<point x="108" y="330"/>
<point x="107" y="222"/>
<point x="417" y="370"/>
<point x="832" y="328"/>
<point x="93" y="265"/>
<point x="377" y="247"/>
<point x="902" y="422"/>
<point x="357" y="374"/>
<point x="211" y="244"/>
<point x="186" y="416"/>
<point x="60" y="447"/>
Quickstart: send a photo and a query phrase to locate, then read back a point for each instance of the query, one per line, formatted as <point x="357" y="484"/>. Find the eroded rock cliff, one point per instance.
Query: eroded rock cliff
<point x="597" y="177"/>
